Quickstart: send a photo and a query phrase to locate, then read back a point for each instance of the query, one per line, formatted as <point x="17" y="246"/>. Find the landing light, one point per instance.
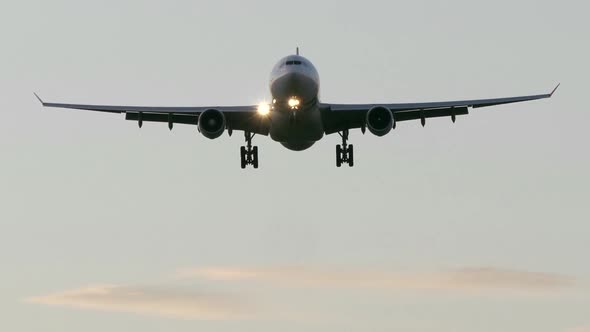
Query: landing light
<point x="294" y="103"/>
<point x="263" y="109"/>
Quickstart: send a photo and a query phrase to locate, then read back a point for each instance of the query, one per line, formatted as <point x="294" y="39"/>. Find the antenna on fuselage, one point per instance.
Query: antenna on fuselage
<point x="297" y="50"/>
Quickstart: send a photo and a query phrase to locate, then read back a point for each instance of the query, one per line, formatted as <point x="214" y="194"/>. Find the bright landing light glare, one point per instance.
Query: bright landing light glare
<point x="293" y="103"/>
<point x="263" y="109"/>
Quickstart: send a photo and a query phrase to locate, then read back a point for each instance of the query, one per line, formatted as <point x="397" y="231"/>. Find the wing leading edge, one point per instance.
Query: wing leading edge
<point x="149" y="109"/>
<point x="338" y="117"/>
<point x="238" y="117"/>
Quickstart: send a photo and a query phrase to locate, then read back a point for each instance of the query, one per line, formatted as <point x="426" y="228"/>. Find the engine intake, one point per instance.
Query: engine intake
<point x="380" y="120"/>
<point x="212" y="123"/>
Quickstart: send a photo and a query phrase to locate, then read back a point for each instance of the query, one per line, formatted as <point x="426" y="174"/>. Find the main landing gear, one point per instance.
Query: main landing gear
<point x="344" y="152"/>
<point x="249" y="153"/>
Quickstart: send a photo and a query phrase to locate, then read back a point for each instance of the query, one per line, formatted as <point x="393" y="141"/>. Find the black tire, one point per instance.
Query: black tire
<point x="350" y="155"/>
<point x="338" y="156"/>
<point x="255" y="157"/>
<point x="243" y="157"/>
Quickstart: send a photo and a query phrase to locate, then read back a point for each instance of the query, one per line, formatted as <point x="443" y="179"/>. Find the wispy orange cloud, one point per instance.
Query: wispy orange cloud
<point x="580" y="329"/>
<point x="148" y="301"/>
<point x="474" y="279"/>
<point x="181" y="303"/>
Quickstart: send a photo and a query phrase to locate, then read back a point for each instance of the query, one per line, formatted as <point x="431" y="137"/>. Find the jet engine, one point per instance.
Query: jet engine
<point x="380" y="120"/>
<point x="212" y="123"/>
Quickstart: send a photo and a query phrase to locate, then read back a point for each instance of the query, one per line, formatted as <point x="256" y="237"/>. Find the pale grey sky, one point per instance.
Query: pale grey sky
<point x="479" y="226"/>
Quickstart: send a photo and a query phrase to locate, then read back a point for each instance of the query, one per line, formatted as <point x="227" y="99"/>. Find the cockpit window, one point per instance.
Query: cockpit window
<point x="294" y="62"/>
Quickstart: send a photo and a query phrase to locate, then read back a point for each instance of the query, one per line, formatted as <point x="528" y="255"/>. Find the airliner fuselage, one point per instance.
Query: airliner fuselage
<point x="295" y="120"/>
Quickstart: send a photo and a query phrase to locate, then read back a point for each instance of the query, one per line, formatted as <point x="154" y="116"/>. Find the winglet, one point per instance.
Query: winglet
<point x="552" y="92"/>
<point x="39" y="99"/>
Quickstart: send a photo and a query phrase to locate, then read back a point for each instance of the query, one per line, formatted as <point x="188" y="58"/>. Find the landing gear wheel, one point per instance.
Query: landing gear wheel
<point x="344" y="152"/>
<point x="255" y="157"/>
<point x="249" y="153"/>
<point x="243" y="157"/>
<point x="338" y="156"/>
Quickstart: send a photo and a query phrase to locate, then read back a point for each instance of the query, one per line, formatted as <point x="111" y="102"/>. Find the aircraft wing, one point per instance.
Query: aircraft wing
<point x="338" y="117"/>
<point x="244" y="118"/>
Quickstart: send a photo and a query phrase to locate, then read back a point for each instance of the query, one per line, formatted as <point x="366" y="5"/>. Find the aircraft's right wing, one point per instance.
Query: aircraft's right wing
<point x="244" y="118"/>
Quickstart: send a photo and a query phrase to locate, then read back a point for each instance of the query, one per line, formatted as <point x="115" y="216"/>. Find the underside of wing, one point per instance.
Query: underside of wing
<point x="237" y="117"/>
<point x="338" y="117"/>
<point x="244" y="121"/>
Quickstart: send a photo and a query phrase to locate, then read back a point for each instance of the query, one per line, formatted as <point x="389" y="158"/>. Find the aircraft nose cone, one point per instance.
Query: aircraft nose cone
<point x="295" y="84"/>
<point x="293" y="79"/>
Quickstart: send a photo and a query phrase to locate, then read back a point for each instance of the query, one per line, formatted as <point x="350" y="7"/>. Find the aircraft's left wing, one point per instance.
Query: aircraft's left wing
<point x="238" y="117"/>
<point x="338" y="117"/>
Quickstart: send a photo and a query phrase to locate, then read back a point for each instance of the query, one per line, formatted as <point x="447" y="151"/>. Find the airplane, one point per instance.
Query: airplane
<point x="296" y="118"/>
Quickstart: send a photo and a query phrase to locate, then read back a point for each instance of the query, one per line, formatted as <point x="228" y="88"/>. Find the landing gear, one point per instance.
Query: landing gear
<point x="344" y="152"/>
<point x="249" y="153"/>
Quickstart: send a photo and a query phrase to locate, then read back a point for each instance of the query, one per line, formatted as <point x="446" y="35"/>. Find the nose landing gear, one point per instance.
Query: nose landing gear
<point x="344" y="152"/>
<point x="249" y="153"/>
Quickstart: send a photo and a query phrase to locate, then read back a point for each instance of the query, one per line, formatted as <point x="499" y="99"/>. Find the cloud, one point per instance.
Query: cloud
<point x="580" y="329"/>
<point x="469" y="279"/>
<point x="148" y="301"/>
<point x="255" y="283"/>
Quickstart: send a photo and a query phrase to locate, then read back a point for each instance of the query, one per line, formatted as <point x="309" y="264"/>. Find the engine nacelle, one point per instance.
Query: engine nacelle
<point x="212" y="123"/>
<point x="380" y="120"/>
